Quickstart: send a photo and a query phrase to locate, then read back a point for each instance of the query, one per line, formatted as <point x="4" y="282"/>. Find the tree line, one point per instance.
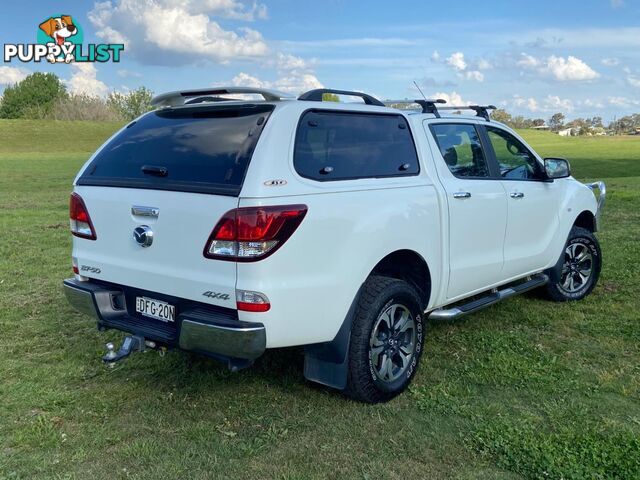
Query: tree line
<point x="44" y="96"/>
<point x="557" y="122"/>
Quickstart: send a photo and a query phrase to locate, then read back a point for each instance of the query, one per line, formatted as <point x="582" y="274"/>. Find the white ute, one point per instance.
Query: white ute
<point x="228" y="226"/>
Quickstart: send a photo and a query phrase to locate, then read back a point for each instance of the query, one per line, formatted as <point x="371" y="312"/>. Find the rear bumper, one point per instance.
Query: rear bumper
<point x="196" y="329"/>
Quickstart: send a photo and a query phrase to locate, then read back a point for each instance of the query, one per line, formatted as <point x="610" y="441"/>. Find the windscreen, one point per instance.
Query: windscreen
<point x="198" y="149"/>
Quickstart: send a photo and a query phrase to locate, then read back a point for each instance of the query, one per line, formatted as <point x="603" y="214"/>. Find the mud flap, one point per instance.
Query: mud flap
<point x="328" y="363"/>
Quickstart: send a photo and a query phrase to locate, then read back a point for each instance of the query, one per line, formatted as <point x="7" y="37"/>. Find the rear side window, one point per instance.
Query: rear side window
<point x="345" y="145"/>
<point x="199" y="149"/>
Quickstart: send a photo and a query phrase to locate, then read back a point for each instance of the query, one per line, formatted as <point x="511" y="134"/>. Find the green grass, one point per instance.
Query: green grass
<point x="525" y="389"/>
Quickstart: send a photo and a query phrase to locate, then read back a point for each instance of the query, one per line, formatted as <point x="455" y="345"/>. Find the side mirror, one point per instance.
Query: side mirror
<point x="557" y="168"/>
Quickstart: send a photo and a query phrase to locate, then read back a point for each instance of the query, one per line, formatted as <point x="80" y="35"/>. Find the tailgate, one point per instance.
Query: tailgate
<point x="174" y="263"/>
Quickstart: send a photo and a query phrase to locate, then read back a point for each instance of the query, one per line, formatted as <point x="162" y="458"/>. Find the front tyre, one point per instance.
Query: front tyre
<point x="578" y="269"/>
<point x="386" y="340"/>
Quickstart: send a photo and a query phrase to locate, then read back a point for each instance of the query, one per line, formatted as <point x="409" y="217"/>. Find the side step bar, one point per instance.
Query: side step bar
<point x="495" y="296"/>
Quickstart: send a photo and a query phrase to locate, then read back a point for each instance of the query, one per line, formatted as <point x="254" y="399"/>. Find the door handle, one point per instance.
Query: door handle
<point x="516" y="195"/>
<point x="461" y="195"/>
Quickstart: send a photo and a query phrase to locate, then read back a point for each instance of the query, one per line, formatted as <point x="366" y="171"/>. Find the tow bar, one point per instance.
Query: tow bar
<point x="131" y="343"/>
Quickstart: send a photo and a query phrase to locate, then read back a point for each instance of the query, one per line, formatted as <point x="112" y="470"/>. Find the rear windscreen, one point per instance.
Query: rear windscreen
<point x="199" y="149"/>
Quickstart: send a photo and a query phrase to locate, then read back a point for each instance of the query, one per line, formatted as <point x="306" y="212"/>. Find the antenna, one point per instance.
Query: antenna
<point x="421" y="93"/>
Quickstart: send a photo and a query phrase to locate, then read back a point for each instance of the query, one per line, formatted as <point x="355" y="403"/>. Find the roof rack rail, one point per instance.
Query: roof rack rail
<point x="481" y="110"/>
<point x="316" y="96"/>
<point x="177" y="98"/>
<point x="428" y="105"/>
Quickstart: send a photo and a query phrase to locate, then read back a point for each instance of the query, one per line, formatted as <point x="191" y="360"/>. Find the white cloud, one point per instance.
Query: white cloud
<point x="554" y="102"/>
<point x="610" y="62"/>
<point x="617" y="3"/>
<point x="11" y="75"/>
<point x="435" y="56"/>
<point x="592" y="103"/>
<point x="179" y="31"/>
<point x="286" y="61"/>
<point x="474" y="75"/>
<point x="84" y="81"/>
<point x="633" y="81"/>
<point x="527" y="61"/>
<point x="571" y="68"/>
<point x="549" y="104"/>
<point x="295" y="82"/>
<point x="368" y="42"/>
<point x="232" y="9"/>
<point x="457" y="62"/>
<point x="246" y="80"/>
<point x="623" y="101"/>
<point x="530" y="103"/>
<point x="452" y="99"/>
<point x="484" y="64"/>
<point x="560" y="68"/>
<point x="128" y="73"/>
<point x="294" y="76"/>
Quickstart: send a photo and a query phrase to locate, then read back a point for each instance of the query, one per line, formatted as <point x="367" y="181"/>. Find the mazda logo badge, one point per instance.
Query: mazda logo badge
<point x="143" y="235"/>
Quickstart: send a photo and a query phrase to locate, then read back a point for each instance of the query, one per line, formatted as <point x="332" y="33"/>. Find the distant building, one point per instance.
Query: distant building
<point x="568" y="132"/>
<point x="541" y="127"/>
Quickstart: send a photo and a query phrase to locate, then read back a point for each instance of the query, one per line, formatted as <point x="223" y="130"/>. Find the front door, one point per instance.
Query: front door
<point x="477" y="207"/>
<point x="532" y="200"/>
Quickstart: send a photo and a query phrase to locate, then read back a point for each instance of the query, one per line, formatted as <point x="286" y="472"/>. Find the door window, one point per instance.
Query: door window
<point x="461" y="149"/>
<point x="515" y="161"/>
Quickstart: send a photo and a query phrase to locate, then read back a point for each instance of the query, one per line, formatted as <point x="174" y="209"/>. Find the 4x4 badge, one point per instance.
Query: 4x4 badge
<point x="221" y="296"/>
<point x="275" y="183"/>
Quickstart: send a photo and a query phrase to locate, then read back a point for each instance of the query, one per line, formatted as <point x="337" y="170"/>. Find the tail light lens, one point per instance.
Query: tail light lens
<point x="253" y="233"/>
<point x="79" y="218"/>
<point x="249" y="301"/>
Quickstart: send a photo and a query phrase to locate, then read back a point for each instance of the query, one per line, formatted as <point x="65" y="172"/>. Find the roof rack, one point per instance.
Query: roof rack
<point x="189" y="97"/>
<point x="428" y="105"/>
<point x="481" y="110"/>
<point x="180" y="97"/>
<point x="316" y="96"/>
<point x="431" y="106"/>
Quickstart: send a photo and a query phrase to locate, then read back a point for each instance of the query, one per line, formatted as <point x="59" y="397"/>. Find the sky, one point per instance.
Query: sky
<point x="533" y="58"/>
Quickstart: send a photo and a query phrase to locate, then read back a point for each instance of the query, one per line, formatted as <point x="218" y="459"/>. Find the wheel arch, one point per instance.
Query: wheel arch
<point x="326" y="363"/>
<point x="410" y="266"/>
<point x="587" y="220"/>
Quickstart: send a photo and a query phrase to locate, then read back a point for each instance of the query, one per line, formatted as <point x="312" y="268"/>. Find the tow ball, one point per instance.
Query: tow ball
<point x="130" y="344"/>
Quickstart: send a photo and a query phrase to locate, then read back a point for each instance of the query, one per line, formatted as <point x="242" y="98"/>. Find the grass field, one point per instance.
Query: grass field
<point x="525" y="389"/>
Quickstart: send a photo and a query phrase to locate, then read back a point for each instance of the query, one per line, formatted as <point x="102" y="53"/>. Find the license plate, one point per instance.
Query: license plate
<point x="155" y="309"/>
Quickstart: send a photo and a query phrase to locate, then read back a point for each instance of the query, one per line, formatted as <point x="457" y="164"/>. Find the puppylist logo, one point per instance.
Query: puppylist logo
<point x="60" y="40"/>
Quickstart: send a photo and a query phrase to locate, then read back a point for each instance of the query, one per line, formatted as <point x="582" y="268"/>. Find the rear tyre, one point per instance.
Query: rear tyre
<point x="578" y="269"/>
<point x="386" y="340"/>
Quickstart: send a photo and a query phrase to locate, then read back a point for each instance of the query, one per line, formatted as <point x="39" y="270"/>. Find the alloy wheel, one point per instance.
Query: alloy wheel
<point x="392" y="343"/>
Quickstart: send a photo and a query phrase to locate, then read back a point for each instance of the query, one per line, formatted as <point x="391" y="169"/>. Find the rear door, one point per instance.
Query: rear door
<point x="533" y="203"/>
<point x="175" y="172"/>
<point x="477" y="208"/>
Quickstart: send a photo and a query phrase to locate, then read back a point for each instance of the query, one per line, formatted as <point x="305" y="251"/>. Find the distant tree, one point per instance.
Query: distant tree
<point x="538" y="122"/>
<point x="32" y="97"/>
<point x="520" y="122"/>
<point x="131" y="105"/>
<point x="330" y="97"/>
<point x="83" y="107"/>
<point x="556" y="122"/>
<point x="501" y="115"/>
<point x="581" y="125"/>
<point x="626" y="124"/>
<point x="596" y="122"/>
